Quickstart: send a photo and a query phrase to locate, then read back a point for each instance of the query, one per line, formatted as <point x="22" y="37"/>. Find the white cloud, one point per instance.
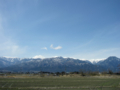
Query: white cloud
<point x="38" y="56"/>
<point x="55" y="56"/>
<point x="98" y="55"/>
<point x="8" y="47"/>
<point x="44" y="48"/>
<point x="9" y="57"/>
<point x="11" y="49"/>
<point x="56" y="48"/>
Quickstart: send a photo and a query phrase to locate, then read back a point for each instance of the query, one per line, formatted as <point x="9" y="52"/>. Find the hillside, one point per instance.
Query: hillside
<point x="58" y="64"/>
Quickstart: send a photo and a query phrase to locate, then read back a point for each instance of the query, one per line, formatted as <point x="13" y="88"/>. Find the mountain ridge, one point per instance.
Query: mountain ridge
<point x="55" y="64"/>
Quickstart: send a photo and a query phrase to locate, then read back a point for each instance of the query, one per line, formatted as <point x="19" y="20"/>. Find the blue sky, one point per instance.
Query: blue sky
<point x="83" y="29"/>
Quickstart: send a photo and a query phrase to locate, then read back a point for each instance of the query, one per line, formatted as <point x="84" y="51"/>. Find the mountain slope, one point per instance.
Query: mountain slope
<point x="58" y="64"/>
<point x="54" y="65"/>
<point x="111" y="63"/>
<point x="5" y="61"/>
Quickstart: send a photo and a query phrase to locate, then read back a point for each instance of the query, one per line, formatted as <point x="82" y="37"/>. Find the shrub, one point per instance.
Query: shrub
<point x="82" y="74"/>
<point x="110" y="72"/>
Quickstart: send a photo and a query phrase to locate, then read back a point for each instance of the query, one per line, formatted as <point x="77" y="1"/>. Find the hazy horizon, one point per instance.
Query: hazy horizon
<point x="41" y="57"/>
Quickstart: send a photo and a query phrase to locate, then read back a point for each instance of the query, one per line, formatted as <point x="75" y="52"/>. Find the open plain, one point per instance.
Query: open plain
<point x="30" y="82"/>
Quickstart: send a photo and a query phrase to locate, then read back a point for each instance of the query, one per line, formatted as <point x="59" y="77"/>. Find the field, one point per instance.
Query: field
<point x="60" y="83"/>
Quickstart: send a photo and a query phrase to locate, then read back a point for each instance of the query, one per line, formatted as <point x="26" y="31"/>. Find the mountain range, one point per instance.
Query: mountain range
<point x="58" y="64"/>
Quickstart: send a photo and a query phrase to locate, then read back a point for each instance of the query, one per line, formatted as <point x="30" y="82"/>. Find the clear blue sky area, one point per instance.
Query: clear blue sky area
<point x="83" y="29"/>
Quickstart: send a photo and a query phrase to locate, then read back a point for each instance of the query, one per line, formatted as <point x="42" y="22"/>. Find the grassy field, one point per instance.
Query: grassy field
<point x="60" y="83"/>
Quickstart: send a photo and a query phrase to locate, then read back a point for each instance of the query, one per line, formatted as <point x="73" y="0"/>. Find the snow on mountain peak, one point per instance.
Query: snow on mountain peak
<point x="96" y="60"/>
<point x="38" y="56"/>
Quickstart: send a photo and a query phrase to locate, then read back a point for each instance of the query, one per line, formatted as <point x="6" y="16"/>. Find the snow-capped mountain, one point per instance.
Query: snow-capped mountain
<point x="111" y="63"/>
<point x="55" y="64"/>
<point x="95" y="61"/>
<point x="8" y="61"/>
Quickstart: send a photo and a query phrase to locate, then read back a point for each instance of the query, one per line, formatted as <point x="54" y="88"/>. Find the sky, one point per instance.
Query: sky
<point x="82" y="29"/>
